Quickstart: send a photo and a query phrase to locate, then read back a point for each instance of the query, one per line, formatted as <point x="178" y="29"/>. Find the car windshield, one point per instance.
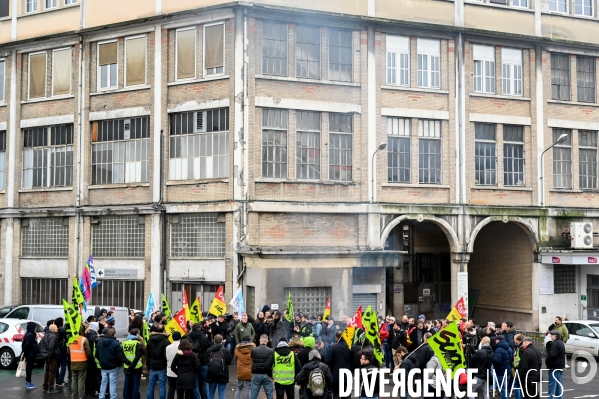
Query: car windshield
<point x="4" y="312"/>
<point x="595" y="327"/>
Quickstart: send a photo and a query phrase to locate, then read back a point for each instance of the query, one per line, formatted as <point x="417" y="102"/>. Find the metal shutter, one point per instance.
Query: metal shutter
<point x="363" y="300"/>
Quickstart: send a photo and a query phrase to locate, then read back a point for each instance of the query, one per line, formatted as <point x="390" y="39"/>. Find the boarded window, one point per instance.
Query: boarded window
<point x="186" y="54"/>
<point x="61" y="72"/>
<point x="135" y="61"/>
<point x="37" y="75"/>
<point x="214" y="43"/>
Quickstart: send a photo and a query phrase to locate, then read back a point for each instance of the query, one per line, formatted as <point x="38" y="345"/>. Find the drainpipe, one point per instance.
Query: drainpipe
<point x="461" y="140"/>
<point x="80" y="146"/>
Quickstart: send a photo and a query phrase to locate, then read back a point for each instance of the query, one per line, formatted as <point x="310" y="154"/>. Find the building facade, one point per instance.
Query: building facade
<point x="189" y="144"/>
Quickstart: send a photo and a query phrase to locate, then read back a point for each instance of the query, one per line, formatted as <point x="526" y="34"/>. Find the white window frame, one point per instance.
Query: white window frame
<point x="556" y="2"/>
<point x="195" y="44"/>
<point x="69" y="2"/>
<point x="34" y="3"/>
<point x="53" y="69"/>
<point x="511" y="62"/>
<point x="206" y="74"/>
<point x="99" y="73"/>
<point x="484" y="58"/>
<point x="583" y="8"/>
<point x="424" y="48"/>
<point x="52" y="7"/>
<point x="3" y="91"/>
<point x="29" y="74"/>
<point x="520" y="2"/>
<point x="125" y="61"/>
<point x="398" y="46"/>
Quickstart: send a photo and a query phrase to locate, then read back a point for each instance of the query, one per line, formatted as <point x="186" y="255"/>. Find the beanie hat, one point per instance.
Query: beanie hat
<point x="110" y="319"/>
<point x="176" y="336"/>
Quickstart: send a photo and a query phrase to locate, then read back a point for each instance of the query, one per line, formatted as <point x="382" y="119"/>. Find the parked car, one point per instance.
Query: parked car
<point x="583" y="336"/>
<point x="12" y="332"/>
<point x="6" y="310"/>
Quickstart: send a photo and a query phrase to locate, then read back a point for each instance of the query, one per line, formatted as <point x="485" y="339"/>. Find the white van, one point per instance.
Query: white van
<point x="43" y="313"/>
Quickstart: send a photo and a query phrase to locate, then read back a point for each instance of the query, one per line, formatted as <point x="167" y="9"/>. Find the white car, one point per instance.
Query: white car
<point x="583" y="336"/>
<point x="12" y="332"/>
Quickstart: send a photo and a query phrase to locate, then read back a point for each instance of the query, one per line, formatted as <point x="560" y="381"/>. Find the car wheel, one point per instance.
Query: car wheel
<point x="7" y="358"/>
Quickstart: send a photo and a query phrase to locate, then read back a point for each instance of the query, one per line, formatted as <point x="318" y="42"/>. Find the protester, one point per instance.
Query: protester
<point x="111" y="357"/>
<point x="502" y="360"/>
<point x="315" y="379"/>
<point x="133" y="351"/>
<point x="156" y="361"/>
<point x="171" y="352"/>
<point x="482" y="361"/>
<point x="243" y="353"/>
<point x="285" y="366"/>
<point x="30" y="349"/>
<point x="509" y="332"/>
<point x="219" y="359"/>
<point x="242" y="329"/>
<point x="399" y="355"/>
<point x="62" y="345"/>
<point x="555" y="362"/>
<point x="340" y="357"/>
<point x="200" y="344"/>
<point x="278" y="330"/>
<point x="434" y="365"/>
<point x="260" y="372"/>
<point x="366" y="363"/>
<point x="50" y="350"/>
<point x="529" y="367"/>
<point x="93" y="377"/>
<point x="79" y="351"/>
<point x="186" y="366"/>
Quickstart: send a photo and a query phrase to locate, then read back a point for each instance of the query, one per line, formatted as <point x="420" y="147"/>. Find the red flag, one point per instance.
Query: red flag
<point x="356" y="321"/>
<point x="186" y="306"/>
<point x="327" y="310"/>
<point x="181" y="319"/>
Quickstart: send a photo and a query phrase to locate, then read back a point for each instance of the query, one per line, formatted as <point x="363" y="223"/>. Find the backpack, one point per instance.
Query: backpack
<point x="216" y="364"/>
<point x="195" y="346"/>
<point x="316" y="382"/>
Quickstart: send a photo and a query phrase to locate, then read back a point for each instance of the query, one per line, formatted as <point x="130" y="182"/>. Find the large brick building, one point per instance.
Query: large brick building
<point x="188" y="144"/>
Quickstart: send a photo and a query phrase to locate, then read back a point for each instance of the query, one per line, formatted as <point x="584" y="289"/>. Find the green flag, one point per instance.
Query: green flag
<point x="72" y="322"/>
<point x="165" y="308"/>
<point x="447" y="345"/>
<point x="289" y="316"/>
<point x="146" y="333"/>
<point x="371" y="330"/>
<point x="78" y="298"/>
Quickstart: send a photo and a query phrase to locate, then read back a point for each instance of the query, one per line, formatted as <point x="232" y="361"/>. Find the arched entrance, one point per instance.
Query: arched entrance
<point x="500" y="273"/>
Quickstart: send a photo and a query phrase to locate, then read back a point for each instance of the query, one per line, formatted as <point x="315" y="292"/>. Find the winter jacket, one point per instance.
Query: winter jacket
<point x="482" y="361"/>
<point x="258" y="328"/>
<point x="431" y="367"/>
<point x="407" y="364"/>
<point x="243" y="353"/>
<point x="531" y="362"/>
<point x="284" y="351"/>
<point x="49" y="345"/>
<point x="109" y="353"/>
<point x="241" y="330"/>
<point x="306" y="329"/>
<point x="329" y="332"/>
<point x="227" y="358"/>
<point x="383" y="332"/>
<point x="416" y="341"/>
<point x="186" y="367"/>
<point x="502" y="359"/>
<point x="509" y="337"/>
<point x="81" y="366"/>
<point x="399" y="339"/>
<point x="29" y="346"/>
<point x="563" y="330"/>
<point x="171" y="352"/>
<point x="304" y="353"/>
<point x="260" y="356"/>
<point x="156" y="351"/>
<point x="220" y="329"/>
<point x="371" y="374"/>
<point x="424" y="355"/>
<point x="556" y="355"/>
<point x="203" y="343"/>
<point x="303" y="379"/>
<point x="340" y="357"/>
<point x="278" y="331"/>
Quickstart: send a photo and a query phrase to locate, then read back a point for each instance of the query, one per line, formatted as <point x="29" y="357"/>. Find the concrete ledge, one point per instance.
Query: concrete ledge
<point x="495" y="118"/>
<point x="196" y="106"/>
<point x="307" y="105"/>
<point x="415" y="113"/>
<point x="568" y="124"/>
<point x="47" y="121"/>
<point x="118" y="114"/>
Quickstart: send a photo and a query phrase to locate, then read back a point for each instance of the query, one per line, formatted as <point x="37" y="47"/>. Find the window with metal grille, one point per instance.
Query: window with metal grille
<point x="197" y="235"/>
<point x="121" y="151"/>
<point x="308" y="145"/>
<point x="429" y="63"/>
<point x="250" y="305"/>
<point x="2" y="158"/>
<point x="585" y="77"/>
<point x="398" y="60"/>
<point x="48" y="165"/>
<point x="274" y="143"/>
<point x="127" y="293"/>
<point x="45" y="238"/>
<point x="398" y="150"/>
<point x="560" y="77"/>
<point x="274" y="48"/>
<point x="310" y="300"/>
<point x="513" y="155"/>
<point x="340" y="55"/>
<point x="340" y="147"/>
<point x="199" y="145"/>
<point x="564" y="279"/>
<point x="511" y="67"/>
<point x="119" y="237"/>
<point x="583" y="7"/>
<point x="562" y="160"/>
<point x="485" y="154"/>
<point x="429" y="152"/>
<point x="44" y="291"/>
<point x="558" y="5"/>
<point x="484" y="69"/>
<point x="587" y="159"/>
<point x="307" y="52"/>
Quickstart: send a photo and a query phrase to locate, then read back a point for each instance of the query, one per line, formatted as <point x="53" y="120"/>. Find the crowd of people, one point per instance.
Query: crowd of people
<point x="274" y="354"/>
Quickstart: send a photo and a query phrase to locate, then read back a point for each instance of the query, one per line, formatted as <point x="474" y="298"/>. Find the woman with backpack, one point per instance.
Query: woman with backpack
<point x="186" y="366"/>
<point x="314" y="378"/>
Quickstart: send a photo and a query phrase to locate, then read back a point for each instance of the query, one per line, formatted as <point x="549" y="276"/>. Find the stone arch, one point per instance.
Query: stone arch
<point x="520" y="222"/>
<point x="452" y="238"/>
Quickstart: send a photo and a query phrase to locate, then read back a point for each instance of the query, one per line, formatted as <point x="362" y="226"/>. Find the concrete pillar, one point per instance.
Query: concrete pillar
<point x="8" y="280"/>
<point x="459" y="277"/>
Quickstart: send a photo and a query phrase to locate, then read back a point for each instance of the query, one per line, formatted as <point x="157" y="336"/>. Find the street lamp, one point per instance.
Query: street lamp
<point x="382" y="146"/>
<point x="560" y="139"/>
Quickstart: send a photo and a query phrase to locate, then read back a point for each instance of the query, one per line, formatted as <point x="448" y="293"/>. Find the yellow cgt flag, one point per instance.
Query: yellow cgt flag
<point x="447" y="345"/>
<point x="218" y="306"/>
<point x="348" y="335"/>
<point x="171" y="327"/>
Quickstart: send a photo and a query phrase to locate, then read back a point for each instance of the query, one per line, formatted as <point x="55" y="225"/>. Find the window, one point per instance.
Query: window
<point x="51" y="4"/>
<point x="520" y="3"/>
<point x="2" y="158"/>
<point x="308" y="145"/>
<point x="186" y="54"/>
<point x="558" y="5"/>
<point x="250" y="298"/>
<point x="61" y="72"/>
<point x="398" y="150"/>
<point x="585" y="77"/>
<point x="429" y="152"/>
<point x="120" y="151"/>
<point x="274" y="49"/>
<point x="511" y="67"/>
<point x="429" y="63"/>
<point x="107" y="65"/>
<point x="67" y="2"/>
<point x="583" y="7"/>
<point x="214" y="49"/>
<point x="199" y="145"/>
<point x="562" y="160"/>
<point x="502" y="2"/>
<point x="484" y="69"/>
<point x="310" y="300"/>
<point x="2" y="79"/>
<point x="398" y="60"/>
<point x="45" y="237"/>
<point x="135" y="61"/>
<point x="274" y="143"/>
<point x="307" y="52"/>
<point x="513" y="155"/>
<point x="560" y="77"/>
<point x="198" y="235"/>
<point x="127" y="293"/>
<point x="37" y="75"/>
<point x="119" y="237"/>
<point x="48" y="165"/>
<point x="43" y="291"/>
<point x="587" y="159"/>
<point x="30" y="5"/>
<point x="340" y="55"/>
<point x="340" y="147"/>
<point x="564" y="279"/>
<point x="4" y="8"/>
<point x="485" y="154"/>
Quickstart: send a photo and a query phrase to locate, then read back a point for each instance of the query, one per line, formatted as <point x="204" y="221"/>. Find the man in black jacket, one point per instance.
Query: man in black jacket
<point x="556" y="362"/>
<point x="260" y="373"/>
<point x="283" y="363"/>
<point x="111" y="357"/>
<point x="219" y="327"/>
<point x="62" y="345"/>
<point x="529" y="368"/>
<point x="330" y="331"/>
<point x="366" y="363"/>
<point x="340" y="357"/>
<point x="200" y="344"/>
<point x="219" y="359"/>
<point x="482" y="361"/>
<point x="399" y="337"/>
<point x="156" y="361"/>
<point x="303" y="378"/>
<point x="49" y="350"/>
<point x="425" y="353"/>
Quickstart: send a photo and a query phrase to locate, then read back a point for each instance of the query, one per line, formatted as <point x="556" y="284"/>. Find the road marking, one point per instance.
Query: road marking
<point x="585" y="396"/>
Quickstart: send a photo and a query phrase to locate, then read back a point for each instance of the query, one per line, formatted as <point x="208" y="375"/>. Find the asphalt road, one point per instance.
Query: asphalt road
<point x="14" y="388"/>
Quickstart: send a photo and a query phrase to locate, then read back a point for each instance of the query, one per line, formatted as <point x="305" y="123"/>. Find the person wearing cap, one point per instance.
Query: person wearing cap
<point x="303" y="377"/>
<point x="171" y="352"/>
<point x="502" y="364"/>
<point x="529" y="363"/>
<point x="260" y="372"/>
<point x="111" y="357"/>
<point x="556" y="362"/>
<point x="285" y="366"/>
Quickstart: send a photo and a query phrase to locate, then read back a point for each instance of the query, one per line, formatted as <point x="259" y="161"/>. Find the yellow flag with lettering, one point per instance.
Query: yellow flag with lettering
<point x="371" y="330"/>
<point x="171" y="327"/>
<point x="196" y="311"/>
<point x="165" y="308"/>
<point x="218" y="306"/>
<point x="146" y="332"/>
<point x="72" y="322"/>
<point x="78" y="298"/>
<point x="348" y="335"/>
<point x="447" y="345"/>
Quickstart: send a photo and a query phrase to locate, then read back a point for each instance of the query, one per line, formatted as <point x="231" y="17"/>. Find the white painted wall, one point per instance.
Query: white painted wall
<point x="50" y="268"/>
<point x="206" y="270"/>
<point x="567" y="305"/>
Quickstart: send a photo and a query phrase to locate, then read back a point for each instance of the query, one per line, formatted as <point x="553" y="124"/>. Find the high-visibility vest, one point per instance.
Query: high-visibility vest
<point x="77" y="350"/>
<point x="283" y="371"/>
<point x="95" y="358"/>
<point x="130" y="350"/>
